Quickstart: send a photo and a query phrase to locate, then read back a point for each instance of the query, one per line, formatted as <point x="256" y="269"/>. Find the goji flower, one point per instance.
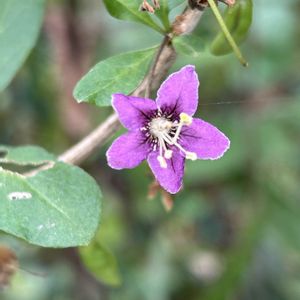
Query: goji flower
<point x="164" y="132"/>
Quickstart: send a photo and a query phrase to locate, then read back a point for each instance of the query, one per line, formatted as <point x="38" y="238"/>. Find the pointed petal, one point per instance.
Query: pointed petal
<point x="133" y="111"/>
<point x="207" y="141"/>
<point x="127" y="151"/>
<point x="180" y="91"/>
<point x="171" y="177"/>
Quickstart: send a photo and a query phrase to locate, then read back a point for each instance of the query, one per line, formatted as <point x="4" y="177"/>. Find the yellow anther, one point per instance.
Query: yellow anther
<point x="191" y="155"/>
<point x="185" y="119"/>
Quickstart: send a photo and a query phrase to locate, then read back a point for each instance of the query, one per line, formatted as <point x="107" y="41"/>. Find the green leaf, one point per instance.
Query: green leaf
<point x="25" y="155"/>
<point x="58" y="207"/>
<point x="190" y="45"/>
<point x="101" y="263"/>
<point x="163" y="14"/>
<point x="20" y="22"/>
<point x="238" y="20"/>
<point x="117" y="74"/>
<point x="130" y="10"/>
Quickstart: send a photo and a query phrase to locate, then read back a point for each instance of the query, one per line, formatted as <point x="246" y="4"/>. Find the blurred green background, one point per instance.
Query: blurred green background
<point x="234" y="231"/>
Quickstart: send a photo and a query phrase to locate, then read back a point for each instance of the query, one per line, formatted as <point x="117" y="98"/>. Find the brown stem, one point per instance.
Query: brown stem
<point x="165" y="43"/>
<point x="165" y="57"/>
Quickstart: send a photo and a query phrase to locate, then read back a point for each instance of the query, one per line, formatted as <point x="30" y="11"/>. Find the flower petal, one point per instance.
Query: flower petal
<point x="207" y="141"/>
<point x="169" y="178"/>
<point x="127" y="151"/>
<point x="179" y="91"/>
<point x="132" y="111"/>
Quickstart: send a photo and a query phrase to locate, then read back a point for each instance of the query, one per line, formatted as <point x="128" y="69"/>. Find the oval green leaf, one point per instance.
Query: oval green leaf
<point x="130" y="10"/>
<point x="20" y="23"/>
<point x="117" y="74"/>
<point x="238" y="20"/>
<point x="58" y="207"/>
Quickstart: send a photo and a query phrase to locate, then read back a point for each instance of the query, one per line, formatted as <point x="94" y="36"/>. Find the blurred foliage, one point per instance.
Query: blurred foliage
<point x="234" y="230"/>
<point x="22" y="20"/>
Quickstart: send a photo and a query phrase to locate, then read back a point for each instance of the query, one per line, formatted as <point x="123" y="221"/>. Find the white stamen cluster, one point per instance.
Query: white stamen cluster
<point x="163" y="133"/>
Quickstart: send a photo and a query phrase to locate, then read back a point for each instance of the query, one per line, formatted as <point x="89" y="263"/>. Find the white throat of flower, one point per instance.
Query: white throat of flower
<point x="166" y="132"/>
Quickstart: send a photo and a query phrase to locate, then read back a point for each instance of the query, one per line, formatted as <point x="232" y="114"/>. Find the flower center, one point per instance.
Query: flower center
<point x="164" y="133"/>
<point x="160" y="126"/>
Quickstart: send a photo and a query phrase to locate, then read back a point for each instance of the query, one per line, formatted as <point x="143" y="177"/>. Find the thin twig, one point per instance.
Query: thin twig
<point x="96" y="138"/>
<point x="162" y="63"/>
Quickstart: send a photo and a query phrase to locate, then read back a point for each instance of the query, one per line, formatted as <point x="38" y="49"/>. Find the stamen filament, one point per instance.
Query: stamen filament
<point x="160" y="147"/>
<point x="188" y="154"/>
<point x="160" y="158"/>
<point x="178" y="130"/>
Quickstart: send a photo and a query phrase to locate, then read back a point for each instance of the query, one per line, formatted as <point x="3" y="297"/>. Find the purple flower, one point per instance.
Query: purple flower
<point x="164" y="132"/>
